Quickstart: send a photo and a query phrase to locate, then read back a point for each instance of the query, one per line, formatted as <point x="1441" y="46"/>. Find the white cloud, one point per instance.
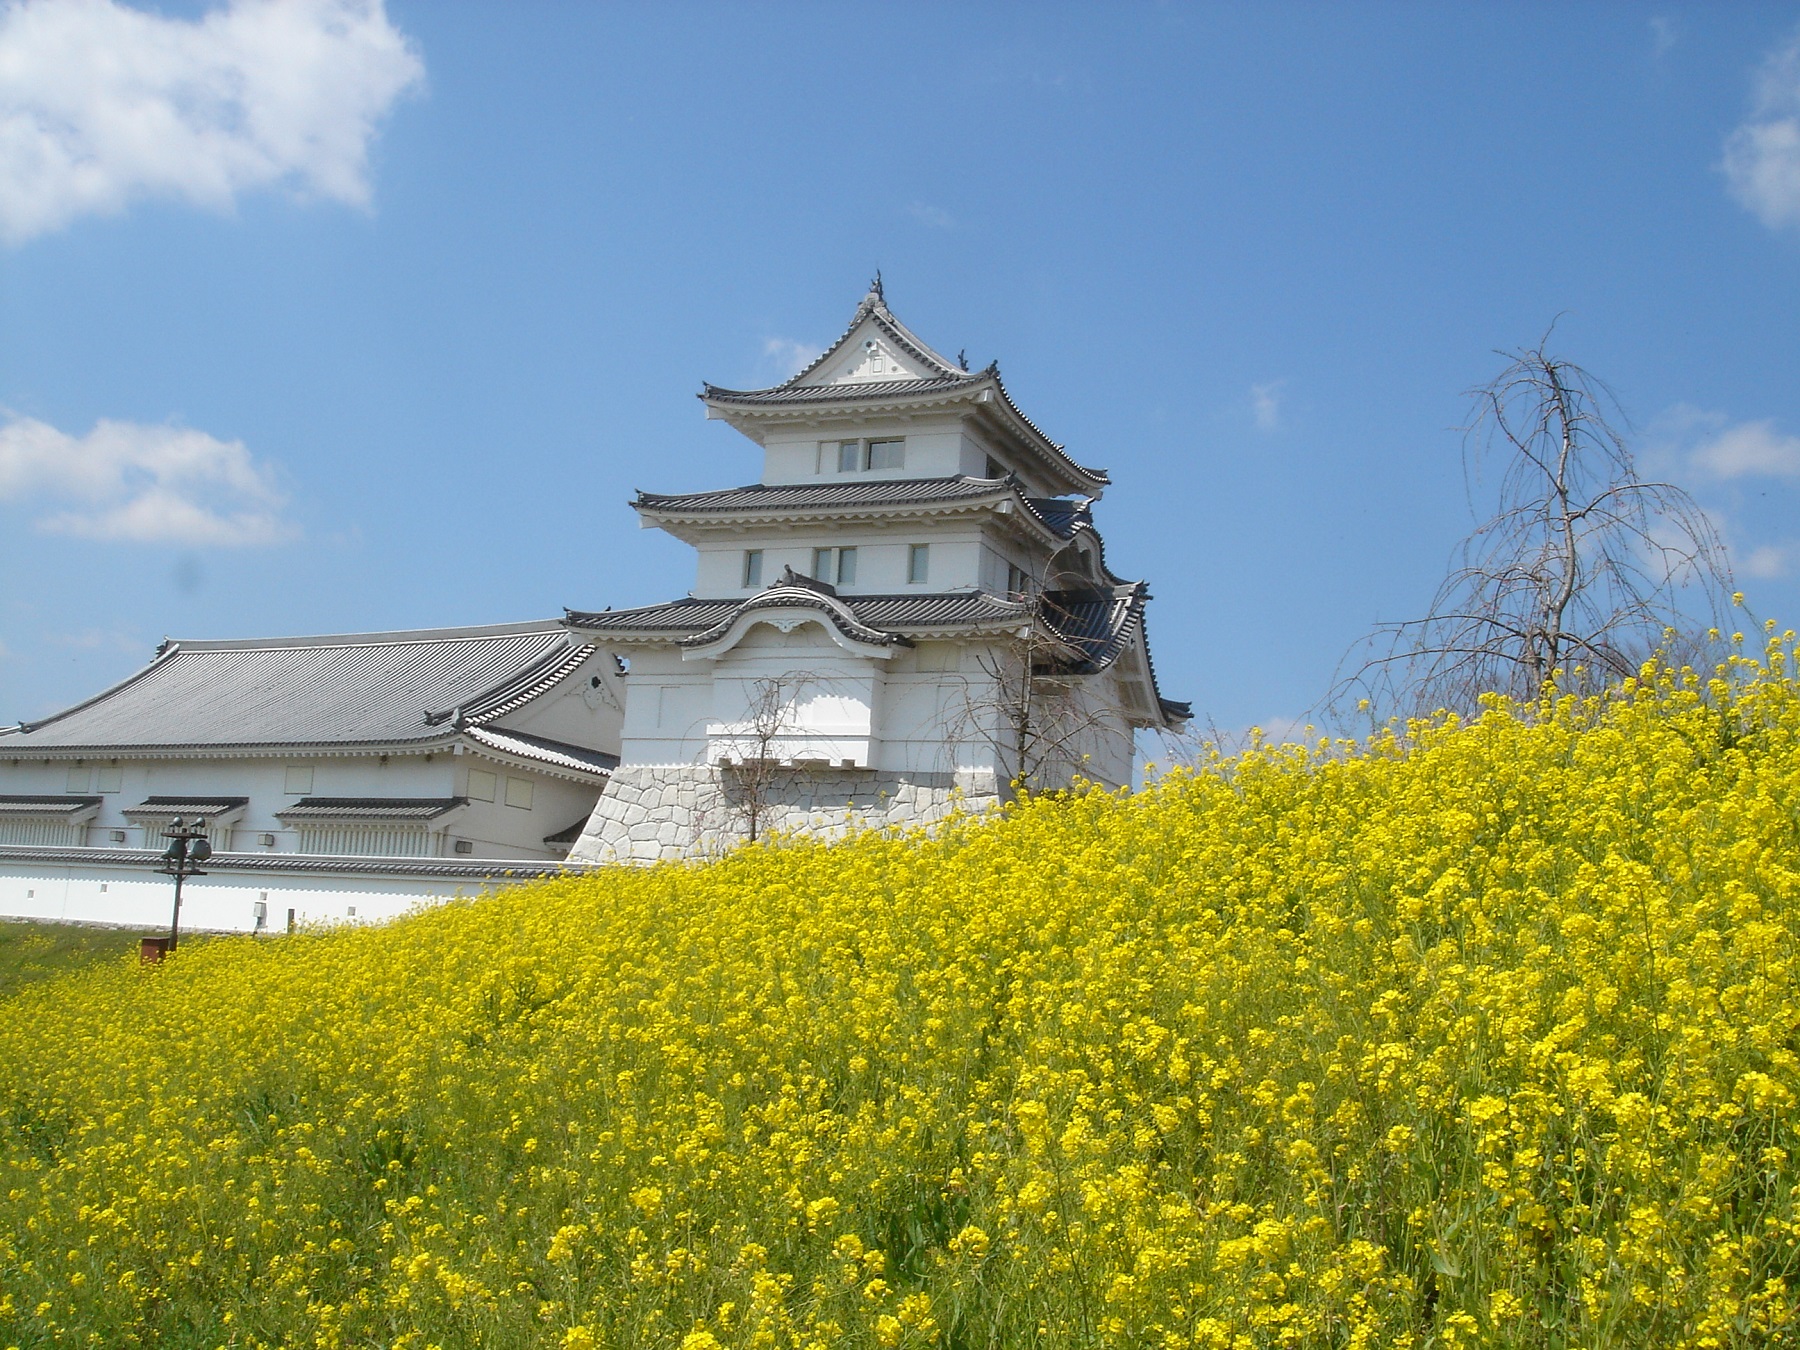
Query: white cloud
<point x="1664" y="33"/>
<point x="101" y="104"/>
<point x="789" y="356"/>
<point x="1749" y="449"/>
<point x="1762" y="157"/>
<point x="142" y="484"/>
<point x="935" y="217"/>
<point x="1767" y="562"/>
<point x="1265" y="404"/>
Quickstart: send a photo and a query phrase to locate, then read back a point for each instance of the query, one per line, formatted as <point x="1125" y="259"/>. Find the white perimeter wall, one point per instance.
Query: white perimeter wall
<point x="221" y="901"/>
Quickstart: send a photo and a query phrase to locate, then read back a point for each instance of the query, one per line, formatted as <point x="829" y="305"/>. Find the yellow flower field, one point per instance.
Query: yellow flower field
<point x="1472" y="1035"/>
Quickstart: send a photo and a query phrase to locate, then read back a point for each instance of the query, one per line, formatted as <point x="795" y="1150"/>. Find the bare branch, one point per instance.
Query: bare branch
<point x="1580" y="567"/>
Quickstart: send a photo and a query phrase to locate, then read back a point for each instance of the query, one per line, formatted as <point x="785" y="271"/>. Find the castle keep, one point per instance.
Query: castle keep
<point x="907" y="613"/>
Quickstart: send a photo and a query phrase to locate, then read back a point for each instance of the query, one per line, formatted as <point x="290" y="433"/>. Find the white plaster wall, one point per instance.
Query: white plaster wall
<point x="830" y="715"/>
<point x="221" y="901"/>
<point x="882" y="553"/>
<point x="500" y="831"/>
<point x="934" y="449"/>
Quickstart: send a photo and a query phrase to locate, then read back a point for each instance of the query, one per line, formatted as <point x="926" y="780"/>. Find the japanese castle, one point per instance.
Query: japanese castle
<point x="907" y="615"/>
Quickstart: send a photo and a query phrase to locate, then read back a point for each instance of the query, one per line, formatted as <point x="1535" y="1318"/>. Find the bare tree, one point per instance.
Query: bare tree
<point x="752" y="776"/>
<point x="1577" y="575"/>
<point x="1027" y="703"/>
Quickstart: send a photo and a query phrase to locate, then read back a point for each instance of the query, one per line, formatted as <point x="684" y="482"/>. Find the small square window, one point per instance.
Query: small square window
<point x="78" y="780"/>
<point x="821" y="564"/>
<point x="298" y="780"/>
<point x="752" y="568"/>
<point x="518" y="793"/>
<point x="887" y="454"/>
<point x="850" y="457"/>
<point x="482" y="785"/>
<point x="109" y="779"/>
<point x="846" y="567"/>
<point x="918" y="563"/>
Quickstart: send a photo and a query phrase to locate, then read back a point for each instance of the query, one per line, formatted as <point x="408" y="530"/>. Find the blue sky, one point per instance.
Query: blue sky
<point x="320" y="317"/>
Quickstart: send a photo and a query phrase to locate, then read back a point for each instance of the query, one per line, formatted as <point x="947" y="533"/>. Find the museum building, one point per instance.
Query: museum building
<point x="908" y="614"/>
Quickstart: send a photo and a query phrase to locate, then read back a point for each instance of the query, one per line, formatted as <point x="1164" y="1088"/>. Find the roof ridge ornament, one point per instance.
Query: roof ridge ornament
<point x="876" y="295"/>
<point x="799" y="580"/>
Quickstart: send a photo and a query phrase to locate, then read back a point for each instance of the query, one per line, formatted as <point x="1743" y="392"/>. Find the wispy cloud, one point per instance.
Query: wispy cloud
<point x="1767" y="563"/>
<point x="934" y="217"/>
<point x="97" y="639"/>
<point x="102" y="104"/>
<point x="1665" y="32"/>
<point x="1749" y="449"/>
<point x="789" y="356"/>
<point x="1762" y="156"/>
<point x="142" y="484"/>
<point x="1265" y="404"/>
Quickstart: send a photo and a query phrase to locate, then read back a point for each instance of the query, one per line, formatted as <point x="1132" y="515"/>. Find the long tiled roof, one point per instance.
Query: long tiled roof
<point x="802" y="496"/>
<point x="187" y="806"/>
<point x="14" y="804"/>
<point x="495" y="870"/>
<point x="370" y="808"/>
<point x="351" y="689"/>
<point x="680" y="618"/>
<point x="1092" y="627"/>
<point x="1060" y="515"/>
<point x="560" y="754"/>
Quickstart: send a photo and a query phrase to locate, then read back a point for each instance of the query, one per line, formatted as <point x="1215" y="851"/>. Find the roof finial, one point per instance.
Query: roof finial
<point x="962" y="358"/>
<point x="875" y="292"/>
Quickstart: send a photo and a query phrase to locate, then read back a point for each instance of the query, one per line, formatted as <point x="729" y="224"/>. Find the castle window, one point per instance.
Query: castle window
<point x="482" y="785"/>
<point x="860" y="456"/>
<point x="752" y="568"/>
<point x="78" y="780"/>
<point x="109" y="780"/>
<point x="297" y="779"/>
<point x="835" y="565"/>
<point x="518" y="793"/>
<point x="918" y="563"/>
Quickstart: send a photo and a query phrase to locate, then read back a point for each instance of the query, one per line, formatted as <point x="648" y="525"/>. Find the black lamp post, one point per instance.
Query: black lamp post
<point x="188" y="848"/>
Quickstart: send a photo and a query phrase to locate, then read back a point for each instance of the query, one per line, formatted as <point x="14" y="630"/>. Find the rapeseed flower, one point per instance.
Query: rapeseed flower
<point x="1475" y="1033"/>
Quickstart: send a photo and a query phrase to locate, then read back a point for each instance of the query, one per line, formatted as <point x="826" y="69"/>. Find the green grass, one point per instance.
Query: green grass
<point x="30" y="952"/>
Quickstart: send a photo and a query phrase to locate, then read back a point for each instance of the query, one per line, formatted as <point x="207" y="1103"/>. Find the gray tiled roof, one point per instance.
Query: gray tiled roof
<point x="680" y="618"/>
<point x="1060" y="515"/>
<point x="542" y="748"/>
<point x="853" y="492"/>
<point x="497" y="870"/>
<point x="370" y="808"/>
<point x="351" y="689"/>
<point x="1096" y="625"/>
<point x="865" y="391"/>
<point x="187" y="806"/>
<point x="13" y="804"/>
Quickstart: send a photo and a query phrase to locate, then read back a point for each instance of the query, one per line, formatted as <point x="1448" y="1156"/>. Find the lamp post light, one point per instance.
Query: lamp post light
<point x="188" y="848"/>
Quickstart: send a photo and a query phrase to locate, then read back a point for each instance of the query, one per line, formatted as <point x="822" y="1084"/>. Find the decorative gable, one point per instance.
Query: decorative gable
<point x="865" y="355"/>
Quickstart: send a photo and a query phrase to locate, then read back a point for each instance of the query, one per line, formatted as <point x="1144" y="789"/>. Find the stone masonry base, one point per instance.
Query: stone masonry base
<point x="649" y="813"/>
